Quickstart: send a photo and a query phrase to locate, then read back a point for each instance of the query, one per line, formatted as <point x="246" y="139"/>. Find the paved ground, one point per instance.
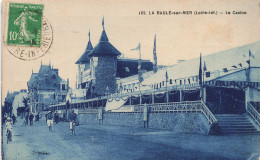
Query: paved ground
<point x="113" y="142"/>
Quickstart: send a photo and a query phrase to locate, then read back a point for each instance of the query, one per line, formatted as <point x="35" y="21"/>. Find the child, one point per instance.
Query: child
<point x="72" y="127"/>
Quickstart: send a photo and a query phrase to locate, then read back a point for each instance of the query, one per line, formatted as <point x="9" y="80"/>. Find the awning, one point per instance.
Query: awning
<point x="115" y="103"/>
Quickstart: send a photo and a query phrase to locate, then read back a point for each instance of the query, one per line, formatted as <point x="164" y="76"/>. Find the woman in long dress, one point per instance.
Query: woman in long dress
<point x="22" y="21"/>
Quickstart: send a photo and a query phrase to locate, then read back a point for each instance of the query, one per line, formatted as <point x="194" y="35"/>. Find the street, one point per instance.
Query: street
<point x="115" y="142"/>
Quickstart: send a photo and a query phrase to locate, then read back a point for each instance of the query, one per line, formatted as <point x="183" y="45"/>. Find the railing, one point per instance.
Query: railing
<point x="253" y="112"/>
<point x="187" y="106"/>
<point x="178" y="107"/>
<point x="88" y="111"/>
<point x="208" y="114"/>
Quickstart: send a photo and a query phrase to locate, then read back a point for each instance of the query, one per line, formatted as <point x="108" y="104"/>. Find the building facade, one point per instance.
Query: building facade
<point x="46" y="88"/>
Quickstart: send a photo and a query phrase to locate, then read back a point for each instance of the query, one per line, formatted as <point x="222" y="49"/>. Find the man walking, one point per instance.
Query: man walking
<point x="31" y="118"/>
<point x="49" y="117"/>
<point x="56" y="117"/>
<point x="14" y="119"/>
<point x="26" y="118"/>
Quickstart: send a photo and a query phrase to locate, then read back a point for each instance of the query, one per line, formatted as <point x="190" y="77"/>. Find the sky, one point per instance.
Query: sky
<point x="178" y="36"/>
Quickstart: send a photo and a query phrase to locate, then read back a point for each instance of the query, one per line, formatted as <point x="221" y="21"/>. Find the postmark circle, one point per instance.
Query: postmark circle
<point x="33" y="52"/>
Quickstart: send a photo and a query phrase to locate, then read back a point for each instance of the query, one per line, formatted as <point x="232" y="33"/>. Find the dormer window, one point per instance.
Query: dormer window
<point x="46" y="76"/>
<point x="63" y="87"/>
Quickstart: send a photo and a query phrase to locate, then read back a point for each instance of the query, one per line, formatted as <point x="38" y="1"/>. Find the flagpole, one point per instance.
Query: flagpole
<point x="248" y="72"/>
<point x="167" y="94"/>
<point x="139" y="65"/>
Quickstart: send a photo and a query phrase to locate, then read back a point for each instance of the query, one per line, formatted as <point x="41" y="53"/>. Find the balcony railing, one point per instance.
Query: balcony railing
<point x="253" y="112"/>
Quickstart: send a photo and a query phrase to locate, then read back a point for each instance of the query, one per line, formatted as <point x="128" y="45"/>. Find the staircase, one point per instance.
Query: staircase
<point x="235" y="124"/>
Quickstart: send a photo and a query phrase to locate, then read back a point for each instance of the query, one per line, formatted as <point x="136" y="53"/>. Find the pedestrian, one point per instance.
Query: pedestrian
<point x="72" y="127"/>
<point x="56" y="117"/>
<point x="8" y="125"/>
<point x="4" y="119"/>
<point x="73" y="117"/>
<point x="26" y="118"/>
<point x="49" y="118"/>
<point x="37" y="117"/>
<point x="31" y="118"/>
<point x="14" y="119"/>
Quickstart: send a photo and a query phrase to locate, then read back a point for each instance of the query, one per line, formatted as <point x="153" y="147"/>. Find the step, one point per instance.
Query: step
<point x="236" y="126"/>
<point x="239" y="123"/>
<point x="229" y="114"/>
<point x="238" y="130"/>
<point x="231" y="117"/>
<point x="242" y="133"/>
<point x="233" y="120"/>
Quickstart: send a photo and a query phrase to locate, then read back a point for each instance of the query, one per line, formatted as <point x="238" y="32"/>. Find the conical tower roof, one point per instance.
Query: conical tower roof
<point x="84" y="57"/>
<point x="104" y="48"/>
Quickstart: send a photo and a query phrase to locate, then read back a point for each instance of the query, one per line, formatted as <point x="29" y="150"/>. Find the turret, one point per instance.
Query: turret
<point x="103" y="64"/>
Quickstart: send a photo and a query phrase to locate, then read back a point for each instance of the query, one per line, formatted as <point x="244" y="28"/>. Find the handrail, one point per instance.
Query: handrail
<point x="253" y="112"/>
<point x="208" y="114"/>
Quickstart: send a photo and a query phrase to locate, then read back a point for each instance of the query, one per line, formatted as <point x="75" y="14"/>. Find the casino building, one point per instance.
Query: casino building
<point x="211" y="94"/>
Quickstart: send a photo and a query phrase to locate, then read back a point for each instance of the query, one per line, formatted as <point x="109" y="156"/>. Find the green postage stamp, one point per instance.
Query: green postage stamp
<point x="25" y="24"/>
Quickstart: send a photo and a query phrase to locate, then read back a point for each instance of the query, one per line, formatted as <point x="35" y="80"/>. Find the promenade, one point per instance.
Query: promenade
<point x="115" y="142"/>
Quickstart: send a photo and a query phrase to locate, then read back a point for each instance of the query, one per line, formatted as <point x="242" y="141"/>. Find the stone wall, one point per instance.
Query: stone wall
<point x="88" y="118"/>
<point x="178" y="122"/>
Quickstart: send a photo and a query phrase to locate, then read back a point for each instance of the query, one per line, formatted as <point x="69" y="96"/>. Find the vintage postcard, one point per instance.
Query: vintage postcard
<point x="132" y="79"/>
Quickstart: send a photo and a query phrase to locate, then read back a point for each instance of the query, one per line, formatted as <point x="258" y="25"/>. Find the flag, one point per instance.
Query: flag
<point x="103" y="23"/>
<point x="225" y="70"/>
<point x="140" y="76"/>
<point x="154" y="56"/>
<point x="234" y="66"/>
<point x="204" y="68"/>
<point x="251" y="55"/>
<point x="200" y="72"/>
<point x="137" y="48"/>
<point x="248" y="61"/>
<point x="240" y="64"/>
